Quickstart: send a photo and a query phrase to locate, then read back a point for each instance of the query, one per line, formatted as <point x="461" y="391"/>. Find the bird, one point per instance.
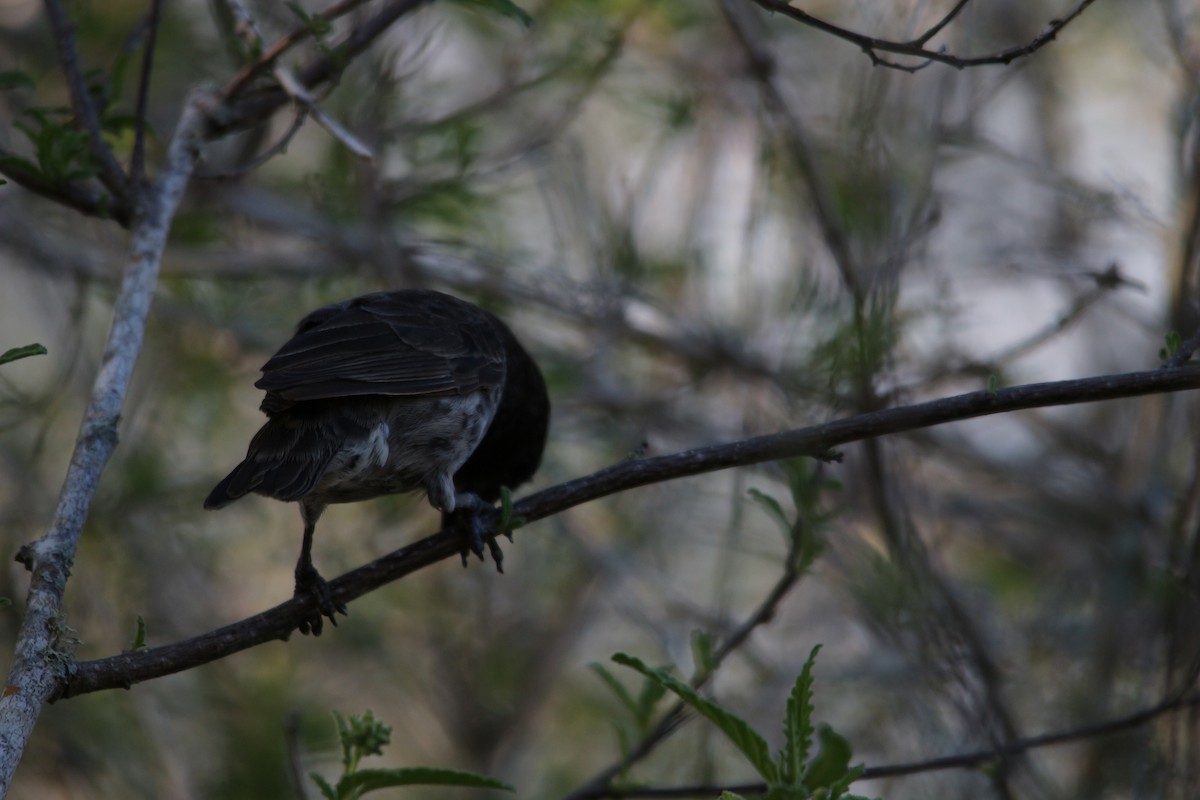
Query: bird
<point x="388" y="393"/>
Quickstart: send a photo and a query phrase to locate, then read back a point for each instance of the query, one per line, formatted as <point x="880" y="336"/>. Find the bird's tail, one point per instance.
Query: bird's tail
<point x="285" y="460"/>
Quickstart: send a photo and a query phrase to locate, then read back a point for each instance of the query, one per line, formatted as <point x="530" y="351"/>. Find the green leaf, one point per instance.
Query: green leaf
<point x="508" y="523"/>
<point x="730" y="796"/>
<point x="774" y="511"/>
<point x="22" y="352"/>
<point x="652" y="692"/>
<point x="1171" y="343"/>
<point x="993" y="383"/>
<point x="832" y="763"/>
<point x="617" y="688"/>
<point x="797" y="723"/>
<point x="505" y="8"/>
<point x="15" y="79"/>
<point x="139" y="636"/>
<point x="366" y="780"/>
<point x="327" y="791"/>
<point x="745" y="738"/>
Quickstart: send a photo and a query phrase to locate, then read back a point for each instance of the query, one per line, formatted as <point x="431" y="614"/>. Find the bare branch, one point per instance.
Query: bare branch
<point x="816" y="441"/>
<point x="42" y="652"/>
<point x="936" y="28"/>
<point x="137" y="169"/>
<point x="256" y="107"/>
<point x="267" y="60"/>
<point x="306" y="101"/>
<point x="916" y="48"/>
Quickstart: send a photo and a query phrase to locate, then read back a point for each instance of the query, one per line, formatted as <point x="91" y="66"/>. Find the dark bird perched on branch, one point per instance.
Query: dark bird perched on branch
<point x="387" y="393"/>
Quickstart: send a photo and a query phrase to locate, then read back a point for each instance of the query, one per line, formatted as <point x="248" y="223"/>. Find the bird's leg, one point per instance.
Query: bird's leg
<point x="471" y="518"/>
<point x="309" y="582"/>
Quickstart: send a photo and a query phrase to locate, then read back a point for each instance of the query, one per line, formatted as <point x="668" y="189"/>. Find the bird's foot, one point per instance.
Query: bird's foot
<point x="310" y="584"/>
<point x="472" y="519"/>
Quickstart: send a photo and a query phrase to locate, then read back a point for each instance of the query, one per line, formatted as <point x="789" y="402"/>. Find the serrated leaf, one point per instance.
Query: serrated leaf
<point x="832" y="763"/>
<point x="327" y="791"/>
<point x="17" y="353"/>
<point x="15" y="79"/>
<point x="367" y="780"/>
<point x="797" y="723"/>
<point x="753" y="746"/>
<point x="344" y="739"/>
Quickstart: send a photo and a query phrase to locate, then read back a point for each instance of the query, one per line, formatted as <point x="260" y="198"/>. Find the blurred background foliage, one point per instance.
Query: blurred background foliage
<point x="694" y="252"/>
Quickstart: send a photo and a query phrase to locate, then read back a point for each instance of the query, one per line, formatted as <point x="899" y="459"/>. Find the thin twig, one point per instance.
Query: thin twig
<point x="943" y="22"/>
<point x="816" y="441"/>
<point x="137" y="169"/>
<point x="680" y="712"/>
<point x="267" y="60"/>
<point x="244" y="112"/>
<point x="305" y="100"/>
<point x="872" y="46"/>
<point x="266" y="155"/>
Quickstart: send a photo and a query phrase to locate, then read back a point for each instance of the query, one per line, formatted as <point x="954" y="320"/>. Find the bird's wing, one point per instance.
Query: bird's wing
<point x="397" y="343"/>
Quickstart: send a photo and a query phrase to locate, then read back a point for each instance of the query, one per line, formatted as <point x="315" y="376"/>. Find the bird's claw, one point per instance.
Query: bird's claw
<point x="310" y="584"/>
<point x="470" y="520"/>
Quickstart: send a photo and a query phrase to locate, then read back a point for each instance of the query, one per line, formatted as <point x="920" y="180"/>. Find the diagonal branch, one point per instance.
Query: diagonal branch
<point x="42" y="651"/>
<point x="267" y="60"/>
<point x="111" y="173"/>
<point x="72" y="195"/>
<point x="816" y="441"/>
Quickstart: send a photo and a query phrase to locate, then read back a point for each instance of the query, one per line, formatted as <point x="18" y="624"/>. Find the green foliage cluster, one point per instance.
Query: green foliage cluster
<point x="795" y="773"/>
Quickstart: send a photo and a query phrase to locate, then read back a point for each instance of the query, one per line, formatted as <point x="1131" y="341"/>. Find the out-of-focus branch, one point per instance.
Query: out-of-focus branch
<point x="44" y="643"/>
<point x="73" y="195"/>
<point x="267" y="60"/>
<point x="137" y="168"/>
<point x="111" y="173"/>
<point x="816" y="441"/>
<point x="762" y="67"/>
<point x="244" y="110"/>
<point x="916" y="48"/>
